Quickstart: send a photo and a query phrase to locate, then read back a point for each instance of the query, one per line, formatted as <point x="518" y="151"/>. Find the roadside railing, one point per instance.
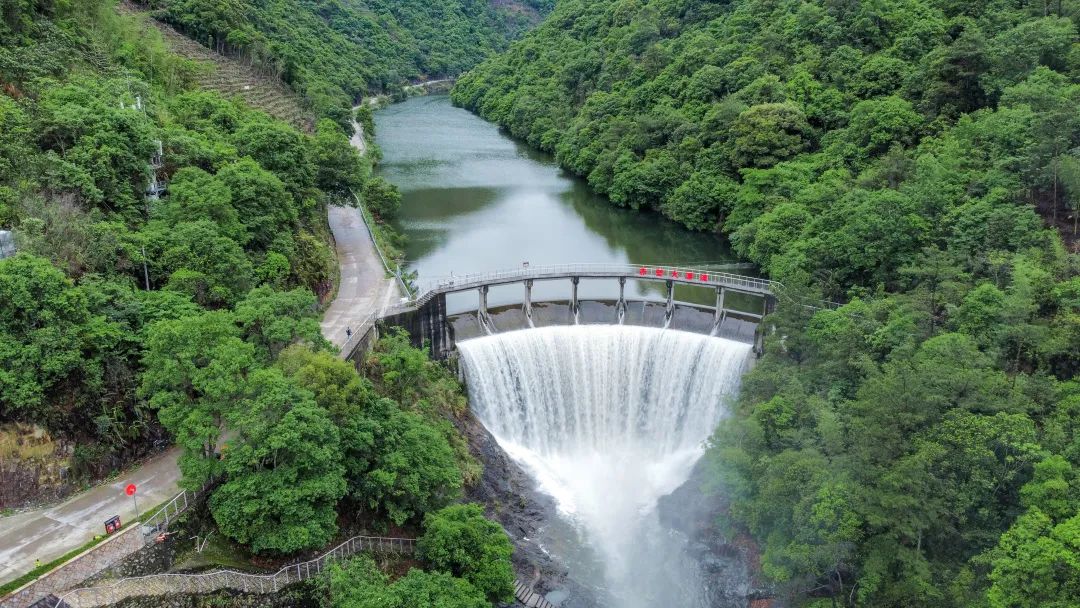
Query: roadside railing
<point x="391" y="269"/>
<point x="167" y="584"/>
<point x="363" y="328"/>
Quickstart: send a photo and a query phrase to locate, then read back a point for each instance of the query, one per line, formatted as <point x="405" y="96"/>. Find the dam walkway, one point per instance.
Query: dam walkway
<point x="425" y="316"/>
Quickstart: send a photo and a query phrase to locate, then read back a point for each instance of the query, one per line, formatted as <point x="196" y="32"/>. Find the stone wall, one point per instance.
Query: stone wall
<point x="426" y="326"/>
<point x="78" y="569"/>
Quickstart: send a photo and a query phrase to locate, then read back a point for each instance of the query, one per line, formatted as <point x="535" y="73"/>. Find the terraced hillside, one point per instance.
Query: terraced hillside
<point x="231" y="77"/>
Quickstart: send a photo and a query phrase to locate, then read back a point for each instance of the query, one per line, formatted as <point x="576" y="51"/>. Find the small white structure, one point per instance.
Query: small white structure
<point x="7" y="244"/>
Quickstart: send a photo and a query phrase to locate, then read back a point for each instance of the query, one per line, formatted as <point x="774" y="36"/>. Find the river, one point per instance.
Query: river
<point x="474" y="200"/>
<point x="643" y="400"/>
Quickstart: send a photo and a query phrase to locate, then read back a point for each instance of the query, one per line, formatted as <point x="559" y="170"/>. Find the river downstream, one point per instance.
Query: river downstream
<point x="606" y="419"/>
<point x="475" y="200"/>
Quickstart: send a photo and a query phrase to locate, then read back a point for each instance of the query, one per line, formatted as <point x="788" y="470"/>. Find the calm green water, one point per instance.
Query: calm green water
<point x="475" y="200"/>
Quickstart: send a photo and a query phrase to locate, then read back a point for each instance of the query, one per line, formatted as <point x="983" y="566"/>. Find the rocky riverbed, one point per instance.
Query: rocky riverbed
<point x="728" y="565"/>
<point x="510" y="497"/>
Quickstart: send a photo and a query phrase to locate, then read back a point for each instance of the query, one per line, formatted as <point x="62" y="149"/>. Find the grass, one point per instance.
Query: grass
<point x="43" y="569"/>
<point x="219" y="551"/>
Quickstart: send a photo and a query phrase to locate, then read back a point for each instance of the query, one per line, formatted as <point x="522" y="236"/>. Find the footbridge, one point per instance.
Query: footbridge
<point x="425" y="316"/>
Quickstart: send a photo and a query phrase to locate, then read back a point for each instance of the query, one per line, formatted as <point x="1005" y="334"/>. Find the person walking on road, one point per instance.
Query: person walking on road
<point x="348" y="332"/>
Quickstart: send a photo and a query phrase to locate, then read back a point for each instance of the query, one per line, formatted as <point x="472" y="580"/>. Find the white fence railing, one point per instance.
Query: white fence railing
<point x="391" y="269"/>
<point x="167" y="584"/>
<point x="690" y="276"/>
<point x="362" y="329"/>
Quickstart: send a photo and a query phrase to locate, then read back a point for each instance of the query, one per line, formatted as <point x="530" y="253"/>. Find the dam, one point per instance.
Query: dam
<point x="608" y="419"/>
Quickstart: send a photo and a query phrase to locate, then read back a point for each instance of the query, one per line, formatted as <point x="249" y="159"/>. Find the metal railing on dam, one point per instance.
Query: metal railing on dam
<point x="425" y="314"/>
<point x="687" y="276"/>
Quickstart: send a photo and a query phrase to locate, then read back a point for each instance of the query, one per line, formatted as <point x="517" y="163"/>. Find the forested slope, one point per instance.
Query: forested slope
<point x="918" y="446"/>
<point x="334" y="52"/>
<point x="87" y="98"/>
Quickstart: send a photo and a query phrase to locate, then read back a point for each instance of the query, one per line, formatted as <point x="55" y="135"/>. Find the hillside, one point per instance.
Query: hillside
<point x="335" y="52"/>
<point x="172" y="252"/>
<point x="917" y="160"/>
<point x="92" y="104"/>
<point x="231" y="77"/>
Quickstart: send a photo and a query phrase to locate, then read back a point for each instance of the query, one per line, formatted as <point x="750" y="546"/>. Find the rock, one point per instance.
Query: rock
<point x="729" y="565"/>
<point x="509" y="496"/>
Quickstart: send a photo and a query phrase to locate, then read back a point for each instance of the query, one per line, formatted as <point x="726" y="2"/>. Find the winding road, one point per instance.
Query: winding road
<point x="49" y="532"/>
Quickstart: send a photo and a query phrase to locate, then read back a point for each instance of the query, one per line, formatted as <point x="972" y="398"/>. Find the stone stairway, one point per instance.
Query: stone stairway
<point x="232" y="77"/>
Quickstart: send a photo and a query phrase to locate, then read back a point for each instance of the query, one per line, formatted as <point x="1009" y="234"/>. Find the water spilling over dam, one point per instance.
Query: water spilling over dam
<point x="608" y="419"/>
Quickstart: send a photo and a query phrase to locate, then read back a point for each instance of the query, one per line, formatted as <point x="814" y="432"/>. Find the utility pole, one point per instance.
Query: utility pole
<point x="146" y="272"/>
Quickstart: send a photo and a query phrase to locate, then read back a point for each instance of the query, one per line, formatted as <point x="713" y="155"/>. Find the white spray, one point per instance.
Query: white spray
<point x="608" y="419"/>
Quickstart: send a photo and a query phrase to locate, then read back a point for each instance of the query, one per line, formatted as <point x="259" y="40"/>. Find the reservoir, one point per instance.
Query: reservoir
<point x="475" y="200"/>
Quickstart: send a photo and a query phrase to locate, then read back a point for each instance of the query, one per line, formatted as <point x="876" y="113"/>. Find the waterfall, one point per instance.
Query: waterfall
<point x="608" y="419"/>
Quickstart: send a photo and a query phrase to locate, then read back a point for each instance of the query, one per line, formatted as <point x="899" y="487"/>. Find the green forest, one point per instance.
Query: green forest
<point x="918" y="162"/>
<point x="127" y="318"/>
<point x="909" y="170"/>
<point x="336" y="52"/>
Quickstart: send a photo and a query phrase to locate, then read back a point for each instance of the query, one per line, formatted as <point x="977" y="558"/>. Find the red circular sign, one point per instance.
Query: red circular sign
<point x="130" y="489"/>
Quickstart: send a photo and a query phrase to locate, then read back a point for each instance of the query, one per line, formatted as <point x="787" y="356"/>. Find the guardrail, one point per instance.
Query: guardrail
<point x="103" y="555"/>
<point x="166" y="584"/>
<point x="690" y="276"/>
<point x="365" y="326"/>
<point x="391" y="270"/>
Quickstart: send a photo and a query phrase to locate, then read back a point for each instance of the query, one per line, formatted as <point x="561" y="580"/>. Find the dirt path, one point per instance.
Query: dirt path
<point x="48" y="533"/>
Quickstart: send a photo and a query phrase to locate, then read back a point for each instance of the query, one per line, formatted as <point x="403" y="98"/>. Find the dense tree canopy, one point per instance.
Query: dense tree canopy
<point x="360" y="584"/>
<point x="900" y="158"/>
<point x="126" y="312"/>
<point x="336" y="52"/>
<point x="460" y="540"/>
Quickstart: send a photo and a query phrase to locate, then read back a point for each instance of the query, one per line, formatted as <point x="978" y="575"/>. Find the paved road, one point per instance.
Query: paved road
<point x="50" y="532"/>
<point x="363" y="287"/>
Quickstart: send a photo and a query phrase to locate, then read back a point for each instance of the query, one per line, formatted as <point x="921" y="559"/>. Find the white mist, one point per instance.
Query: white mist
<point x="608" y="419"/>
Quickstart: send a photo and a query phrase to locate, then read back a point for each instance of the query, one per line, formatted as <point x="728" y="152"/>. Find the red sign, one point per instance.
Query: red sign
<point x="130" y="489"/>
<point x="704" y="277"/>
<point x="642" y="271"/>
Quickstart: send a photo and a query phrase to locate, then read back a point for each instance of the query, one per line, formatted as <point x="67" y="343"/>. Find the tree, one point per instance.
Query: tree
<point x="196" y="195"/>
<point x="272" y="320"/>
<point x="460" y="540"/>
<point x="1052" y="489"/>
<point x="877" y="124"/>
<point x="382" y="198"/>
<point x="341" y="171"/>
<point x="196" y="259"/>
<point x="1037" y="564"/>
<point x="345" y="395"/>
<point x="280" y="149"/>
<point x="53" y="350"/>
<point x="284" y="471"/>
<point x="766" y="134"/>
<point x="261" y="199"/>
<point x="360" y="584"/>
<point x="196" y="370"/>
<point x="412" y="469"/>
